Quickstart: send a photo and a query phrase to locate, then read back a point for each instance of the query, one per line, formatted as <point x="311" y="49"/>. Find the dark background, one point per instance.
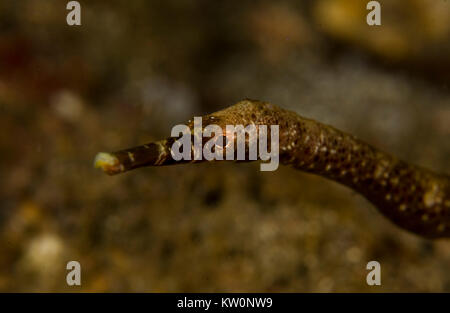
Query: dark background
<point x="135" y="68"/>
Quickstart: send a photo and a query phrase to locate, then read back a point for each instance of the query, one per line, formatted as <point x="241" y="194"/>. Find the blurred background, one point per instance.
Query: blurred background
<point x="133" y="69"/>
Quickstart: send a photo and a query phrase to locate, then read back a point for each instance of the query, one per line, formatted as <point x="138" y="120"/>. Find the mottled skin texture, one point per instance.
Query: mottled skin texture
<point x="412" y="197"/>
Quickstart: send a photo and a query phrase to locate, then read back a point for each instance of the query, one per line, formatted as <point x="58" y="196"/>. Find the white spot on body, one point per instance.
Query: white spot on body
<point x="380" y="169"/>
<point x="322" y="137"/>
<point x="429" y="198"/>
